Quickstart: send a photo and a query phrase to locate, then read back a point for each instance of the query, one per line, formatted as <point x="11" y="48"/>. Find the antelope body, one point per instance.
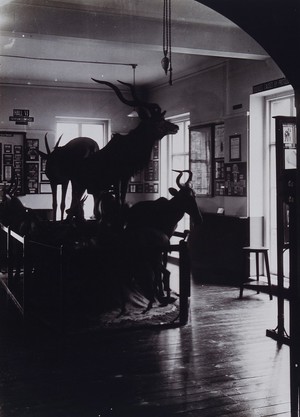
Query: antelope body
<point x="124" y="155"/>
<point x="150" y="225"/>
<point x="62" y="163"/>
<point x="163" y="214"/>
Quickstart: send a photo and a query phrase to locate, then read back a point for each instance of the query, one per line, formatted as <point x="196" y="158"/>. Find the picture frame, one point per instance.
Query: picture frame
<point x="44" y="177"/>
<point x="31" y="150"/>
<point x="235" y="147"/>
<point x="12" y="158"/>
<point x="45" y="188"/>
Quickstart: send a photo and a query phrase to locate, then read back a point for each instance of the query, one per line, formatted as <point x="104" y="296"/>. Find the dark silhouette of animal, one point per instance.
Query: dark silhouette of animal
<point x="163" y="214"/>
<point x="14" y="214"/>
<point x="124" y="155"/>
<point x="61" y="164"/>
<point x="19" y="219"/>
<point x="24" y="221"/>
<point x="157" y="220"/>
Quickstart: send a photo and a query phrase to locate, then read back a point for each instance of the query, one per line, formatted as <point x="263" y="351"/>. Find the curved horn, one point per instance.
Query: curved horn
<point x="57" y="143"/>
<point x="118" y="93"/>
<point x="152" y="107"/>
<point x="178" y="178"/>
<point x="83" y="199"/>
<point x="180" y="175"/>
<point x="46" y="144"/>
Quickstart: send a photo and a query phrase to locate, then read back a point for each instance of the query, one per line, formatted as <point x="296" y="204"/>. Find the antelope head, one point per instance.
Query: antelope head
<point x="185" y="197"/>
<point x="146" y="111"/>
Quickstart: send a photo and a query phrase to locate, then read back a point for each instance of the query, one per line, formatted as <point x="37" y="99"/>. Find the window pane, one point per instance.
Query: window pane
<point x="95" y="132"/>
<point x="178" y="140"/>
<point x="186" y="137"/>
<point x="281" y="107"/>
<point x="178" y="162"/>
<point x="68" y="130"/>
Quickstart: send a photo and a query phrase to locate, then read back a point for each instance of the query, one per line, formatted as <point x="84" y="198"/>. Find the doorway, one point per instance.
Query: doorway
<point x="262" y="168"/>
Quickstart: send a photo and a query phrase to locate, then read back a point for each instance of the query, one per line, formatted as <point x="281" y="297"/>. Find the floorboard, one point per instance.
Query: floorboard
<point x="220" y="364"/>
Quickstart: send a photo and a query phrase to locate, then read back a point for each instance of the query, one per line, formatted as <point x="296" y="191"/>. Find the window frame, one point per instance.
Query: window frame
<point x="80" y="121"/>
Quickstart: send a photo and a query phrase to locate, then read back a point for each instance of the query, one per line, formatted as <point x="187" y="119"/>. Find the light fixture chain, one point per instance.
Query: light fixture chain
<point x="166" y="61"/>
<point x="165" y="28"/>
<point x="169" y="43"/>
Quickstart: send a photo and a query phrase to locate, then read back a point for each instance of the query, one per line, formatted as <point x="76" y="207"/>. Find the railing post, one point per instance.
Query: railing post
<point x="184" y="282"/>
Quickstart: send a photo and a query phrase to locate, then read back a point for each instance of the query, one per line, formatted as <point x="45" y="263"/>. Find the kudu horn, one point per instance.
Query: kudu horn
<point x="47" y="145"/>
<point x="152" y="107"/>
<point x="180" y="175"/>
<point x="118" y="93"/>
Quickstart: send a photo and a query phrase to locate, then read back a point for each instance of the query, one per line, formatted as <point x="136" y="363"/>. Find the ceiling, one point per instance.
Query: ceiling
<point x="66" y="43"/>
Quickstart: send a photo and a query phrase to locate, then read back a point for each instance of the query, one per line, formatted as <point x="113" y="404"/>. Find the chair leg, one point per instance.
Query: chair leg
<point x="268" y="274"/>
<point x="257" y="267"/>
<point x="241" y="290"/>
<point x="245" y="276"/>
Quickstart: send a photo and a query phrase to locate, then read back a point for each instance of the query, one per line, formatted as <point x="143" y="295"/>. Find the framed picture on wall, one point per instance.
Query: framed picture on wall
<point x="45" y="188"/>
<point x="201" y="159"/>
<point x="235" y="147"/>
<point x="12" y="158"/>
<point x="31" y="150"/>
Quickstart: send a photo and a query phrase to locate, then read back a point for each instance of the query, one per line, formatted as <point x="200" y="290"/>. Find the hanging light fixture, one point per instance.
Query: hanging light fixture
<point x="166" y="62"/>
<point x="134" y="113"/>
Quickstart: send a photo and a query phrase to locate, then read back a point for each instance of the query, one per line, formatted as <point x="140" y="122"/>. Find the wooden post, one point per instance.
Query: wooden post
<point x="295" y="279"/>
<point x="184" y="282"/>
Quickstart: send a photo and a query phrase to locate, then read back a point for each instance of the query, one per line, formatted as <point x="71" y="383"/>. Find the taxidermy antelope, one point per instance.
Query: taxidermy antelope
<point x="124" y="155"/>
<point x="61" y="164"/>
<point x="13" y="214"/>
<point x="159" y="218"/>
<point x="163" y="214"/>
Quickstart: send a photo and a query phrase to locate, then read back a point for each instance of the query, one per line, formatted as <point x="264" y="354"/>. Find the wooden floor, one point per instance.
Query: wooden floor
<point x="219" y="364"/>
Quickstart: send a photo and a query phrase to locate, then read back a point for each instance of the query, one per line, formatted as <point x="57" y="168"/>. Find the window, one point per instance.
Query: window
<point x="175" y="155"/>
<point x="70" y="128"/>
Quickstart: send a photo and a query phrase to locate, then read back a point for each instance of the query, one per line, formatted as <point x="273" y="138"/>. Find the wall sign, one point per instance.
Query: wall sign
<point x="269" y="85"/>
<point x="21" y="117"/>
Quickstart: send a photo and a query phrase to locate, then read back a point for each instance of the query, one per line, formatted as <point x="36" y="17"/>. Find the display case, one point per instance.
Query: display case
<point x="12" y="159"/>
<point x="286" y="165"/>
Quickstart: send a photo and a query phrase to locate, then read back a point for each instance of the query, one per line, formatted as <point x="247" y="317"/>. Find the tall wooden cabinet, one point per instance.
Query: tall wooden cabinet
<point x="287" y="239"/>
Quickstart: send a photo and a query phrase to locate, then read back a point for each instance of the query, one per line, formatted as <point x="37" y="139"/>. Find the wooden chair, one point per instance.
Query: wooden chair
<point x="248" y="282"/>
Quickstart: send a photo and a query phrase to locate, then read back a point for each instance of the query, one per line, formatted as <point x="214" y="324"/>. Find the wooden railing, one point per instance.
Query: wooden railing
<point x="41" y="290"/>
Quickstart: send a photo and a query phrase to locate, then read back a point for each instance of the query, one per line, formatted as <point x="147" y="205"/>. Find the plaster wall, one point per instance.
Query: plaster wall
<point x="45" y="104"/>
<point x="209" y="96"/>
<point x="220" y="94"/>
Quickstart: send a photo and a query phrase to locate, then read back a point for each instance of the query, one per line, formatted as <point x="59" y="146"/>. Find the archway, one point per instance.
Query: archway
<point x="274" y="25"/>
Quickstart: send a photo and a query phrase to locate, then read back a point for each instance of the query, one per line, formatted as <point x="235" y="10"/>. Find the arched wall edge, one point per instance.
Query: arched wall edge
<point x="275" y="26"/>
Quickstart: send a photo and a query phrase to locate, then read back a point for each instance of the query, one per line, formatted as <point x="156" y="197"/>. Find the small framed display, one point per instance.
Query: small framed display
<point x="44" y="177"/>
<point x="235" y="148"/>
<point x="45" y="188"/>
<point x="31" y="150"/>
